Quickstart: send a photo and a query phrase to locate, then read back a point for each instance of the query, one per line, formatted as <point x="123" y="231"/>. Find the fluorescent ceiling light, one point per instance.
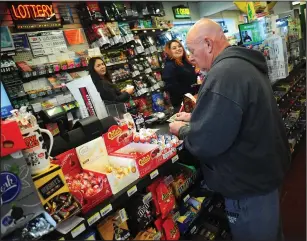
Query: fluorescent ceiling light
<point x="295" y="3"/>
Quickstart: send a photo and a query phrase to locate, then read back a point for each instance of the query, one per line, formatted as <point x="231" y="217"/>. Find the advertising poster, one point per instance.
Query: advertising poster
<point x="47" y="42"/>
<point x="21" y="42"/>
<point x="6" y="106"/>
<point x="74" y="36"/>
<point x="7" y="43"/>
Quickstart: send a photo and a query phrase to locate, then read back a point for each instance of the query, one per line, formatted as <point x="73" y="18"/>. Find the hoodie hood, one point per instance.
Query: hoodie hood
<point x="256" y="58"/>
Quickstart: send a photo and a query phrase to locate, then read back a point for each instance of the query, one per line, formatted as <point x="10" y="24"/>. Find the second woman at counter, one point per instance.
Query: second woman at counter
<point x="178" y="74"/>
<point x="108" y="91"/>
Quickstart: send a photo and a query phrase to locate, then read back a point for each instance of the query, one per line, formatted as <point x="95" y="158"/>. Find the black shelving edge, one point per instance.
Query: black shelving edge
<point x="117" y="201"/>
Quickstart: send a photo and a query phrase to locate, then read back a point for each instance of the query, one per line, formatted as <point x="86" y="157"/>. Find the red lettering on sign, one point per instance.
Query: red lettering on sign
<point x="31" y="141"/>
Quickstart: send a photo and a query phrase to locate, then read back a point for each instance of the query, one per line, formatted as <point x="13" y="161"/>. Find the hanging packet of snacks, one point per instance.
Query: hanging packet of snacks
<point x="158" y="102"/>
<point x="102" y="34"/>
<point x="166" y="199"/>
<point x="171" y="229"/>
<point x="126" y="32"/>
<point x="114" y="30"/>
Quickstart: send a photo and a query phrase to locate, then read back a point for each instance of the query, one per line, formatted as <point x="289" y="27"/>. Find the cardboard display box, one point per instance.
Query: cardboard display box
<point x="89" y="187"/>
<point x="121" y="172"/>
<point x="119" y="144"/>
<point x="54" y="194"/>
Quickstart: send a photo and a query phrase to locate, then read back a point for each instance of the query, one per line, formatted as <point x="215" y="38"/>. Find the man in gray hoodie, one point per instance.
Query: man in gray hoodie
<point x="237" y="133"/>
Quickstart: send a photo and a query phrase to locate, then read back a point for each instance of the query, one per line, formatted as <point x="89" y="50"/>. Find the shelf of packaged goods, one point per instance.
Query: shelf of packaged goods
<point x="116" y="201"/>
<point x="117" y="63"/>
<point x="294" y="126"/>
<point x="294" y="71"/>
<point x="27" y="79"/>
<point x="290" y="89"/>
<point x="291" y="107"/>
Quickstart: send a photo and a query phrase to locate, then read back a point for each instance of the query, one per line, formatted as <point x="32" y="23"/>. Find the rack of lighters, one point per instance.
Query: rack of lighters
<point x="290" y="95"/>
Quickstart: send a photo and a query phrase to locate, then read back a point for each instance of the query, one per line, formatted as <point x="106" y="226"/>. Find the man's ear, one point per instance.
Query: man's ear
<point x="209" y="44"/>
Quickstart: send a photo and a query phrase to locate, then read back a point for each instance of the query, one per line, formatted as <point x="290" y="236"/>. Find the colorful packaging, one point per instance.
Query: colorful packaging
<point x="54" y="194"/>
<point x="158" y="102"/>
<point x="153" y="189"/>
<point x="159" y="226"/>
<point x="88" y="187"/>
<point x="19" y="199"/>
<point x="166" y="199"/>
<point x="170" y="229"/>
<point x="113" y="228"/>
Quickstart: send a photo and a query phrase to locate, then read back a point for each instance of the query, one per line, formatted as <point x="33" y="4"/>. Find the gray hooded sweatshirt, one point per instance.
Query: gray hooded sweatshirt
<point x="236" y="130"/>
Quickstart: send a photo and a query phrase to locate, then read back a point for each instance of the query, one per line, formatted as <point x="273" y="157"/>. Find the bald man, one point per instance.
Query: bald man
<point x="237" y="133"/>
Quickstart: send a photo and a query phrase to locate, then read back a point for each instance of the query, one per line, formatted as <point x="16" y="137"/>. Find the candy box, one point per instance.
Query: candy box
<point x="19" y="200"/>
<point x="119" y="144"/>
<point x="89" y="187"/>
<point x="54" y="194"/>
<point x="11" y="138"/>
<point x="120" y="171"/>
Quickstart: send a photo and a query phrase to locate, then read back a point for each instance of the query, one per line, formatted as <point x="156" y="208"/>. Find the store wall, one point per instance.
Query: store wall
<point x="281" y="7"/>
<point x="194" y="9"/>
<point x="231" y="19"/>
<point x="210" y="8"/>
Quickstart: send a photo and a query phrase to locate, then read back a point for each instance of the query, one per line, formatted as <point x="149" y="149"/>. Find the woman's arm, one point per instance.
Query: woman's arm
<point x="110" y="93"/>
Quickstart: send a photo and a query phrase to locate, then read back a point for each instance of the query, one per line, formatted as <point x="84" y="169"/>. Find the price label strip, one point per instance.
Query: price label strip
<point x="157" y="236"/>
<point x="175" y="158"/>
<point x="78" y="230"/>
<point x="132" y="191"/>
<point x="154" y="174"/>
<point x="93" y="218"/>
<point x="61" y="238"/>
<point x="106" y="210"/>
<point x="176" y="216"/>
<point x="92" y="237"/>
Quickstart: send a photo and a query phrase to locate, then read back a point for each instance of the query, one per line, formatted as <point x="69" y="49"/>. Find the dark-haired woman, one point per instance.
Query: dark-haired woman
<point x="108" y="91"/>
<point x="178" y="74"/>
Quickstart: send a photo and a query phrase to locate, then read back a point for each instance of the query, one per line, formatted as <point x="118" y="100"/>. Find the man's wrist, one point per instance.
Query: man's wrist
<point x="183" y="132"/>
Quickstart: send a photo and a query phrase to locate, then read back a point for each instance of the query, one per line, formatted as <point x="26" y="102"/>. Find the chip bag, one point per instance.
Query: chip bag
<point x="166" y="199"/>
<point x="170" y="229"/>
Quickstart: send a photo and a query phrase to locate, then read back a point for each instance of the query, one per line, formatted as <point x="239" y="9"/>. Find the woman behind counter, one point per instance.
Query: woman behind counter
<point x="178" y="74"/>
<point x="108" y="91"/>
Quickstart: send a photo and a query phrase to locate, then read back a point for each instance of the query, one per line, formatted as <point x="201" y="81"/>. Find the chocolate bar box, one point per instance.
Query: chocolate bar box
<point x="19" y="200"/>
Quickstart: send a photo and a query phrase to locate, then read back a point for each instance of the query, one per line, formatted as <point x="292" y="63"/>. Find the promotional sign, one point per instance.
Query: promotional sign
<point x="181" y="12"/>
<point x="33" y="15"/>
<point x="6" y="39"/>
<point x="21" y="42"/>
<point x="47" y="42"/>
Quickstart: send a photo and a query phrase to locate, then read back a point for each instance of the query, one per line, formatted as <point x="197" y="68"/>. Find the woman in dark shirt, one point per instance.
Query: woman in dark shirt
<point x="178" y="74"/>
<point x="108" y="91"/>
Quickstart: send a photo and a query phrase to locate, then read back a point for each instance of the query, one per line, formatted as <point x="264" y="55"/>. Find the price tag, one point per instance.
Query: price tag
<point x="132" y="191"/>
<point x="92" y="237"/>
<point x="175" y="158"/>
<point x="180" y="147"/>
<point x="123" y="215"/>
<point x="193" y="230"/>
<point x="167" y="155"/>
<point x="78" y="230"/>
<point x="106" y="210"/>
<point x="147" y="198"/>
<point x="187" y="197"/>
<point x="154" y="174"/>
<point x="61" y="238"/>
<point x="93" y="218"/>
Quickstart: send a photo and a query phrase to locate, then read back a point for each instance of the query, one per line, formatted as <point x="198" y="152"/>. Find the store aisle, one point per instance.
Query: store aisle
<point x="293" y="203"/>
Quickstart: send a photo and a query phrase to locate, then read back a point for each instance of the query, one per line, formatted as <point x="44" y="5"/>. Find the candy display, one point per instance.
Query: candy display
<point x="54" y="194"/>
<point x="89" y="188"/>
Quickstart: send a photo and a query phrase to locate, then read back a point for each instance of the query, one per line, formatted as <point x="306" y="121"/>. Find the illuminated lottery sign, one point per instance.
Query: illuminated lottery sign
<point x="31" y="15"/>
<point x="181" y="13"/>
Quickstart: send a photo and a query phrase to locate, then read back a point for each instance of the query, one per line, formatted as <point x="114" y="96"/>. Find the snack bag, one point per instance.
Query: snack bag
<point x="152" y="188"/>
<point x="170" y="229"/>
<point x="166" y="199"/>
<point x="159" y="226"/>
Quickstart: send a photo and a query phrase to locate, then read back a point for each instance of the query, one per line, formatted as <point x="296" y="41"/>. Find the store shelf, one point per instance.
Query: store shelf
<point x="117" y="63"/>
<point x="116" y="201"/>
<point x="61" y="71"/>
<point x="149" y="30"/>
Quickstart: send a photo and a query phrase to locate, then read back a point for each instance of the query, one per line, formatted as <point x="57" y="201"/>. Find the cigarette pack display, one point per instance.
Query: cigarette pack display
<point x="121" y="172"/>
<point x="19" y="200"/>
<point x="119" y="144"/>
<point x="11" y="138"/>
<point x="54" y="194"/>
<point x="88" y="187"/>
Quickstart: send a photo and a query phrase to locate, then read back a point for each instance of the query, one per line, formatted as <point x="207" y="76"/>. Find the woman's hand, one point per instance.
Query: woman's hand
<point x="129" y="89"/>
<point x="183" y="116"/>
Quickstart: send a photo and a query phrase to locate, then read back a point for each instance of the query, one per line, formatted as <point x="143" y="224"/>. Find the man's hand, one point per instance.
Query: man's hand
<point x="183" y="116"/>
<point x="175" y="127"/>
